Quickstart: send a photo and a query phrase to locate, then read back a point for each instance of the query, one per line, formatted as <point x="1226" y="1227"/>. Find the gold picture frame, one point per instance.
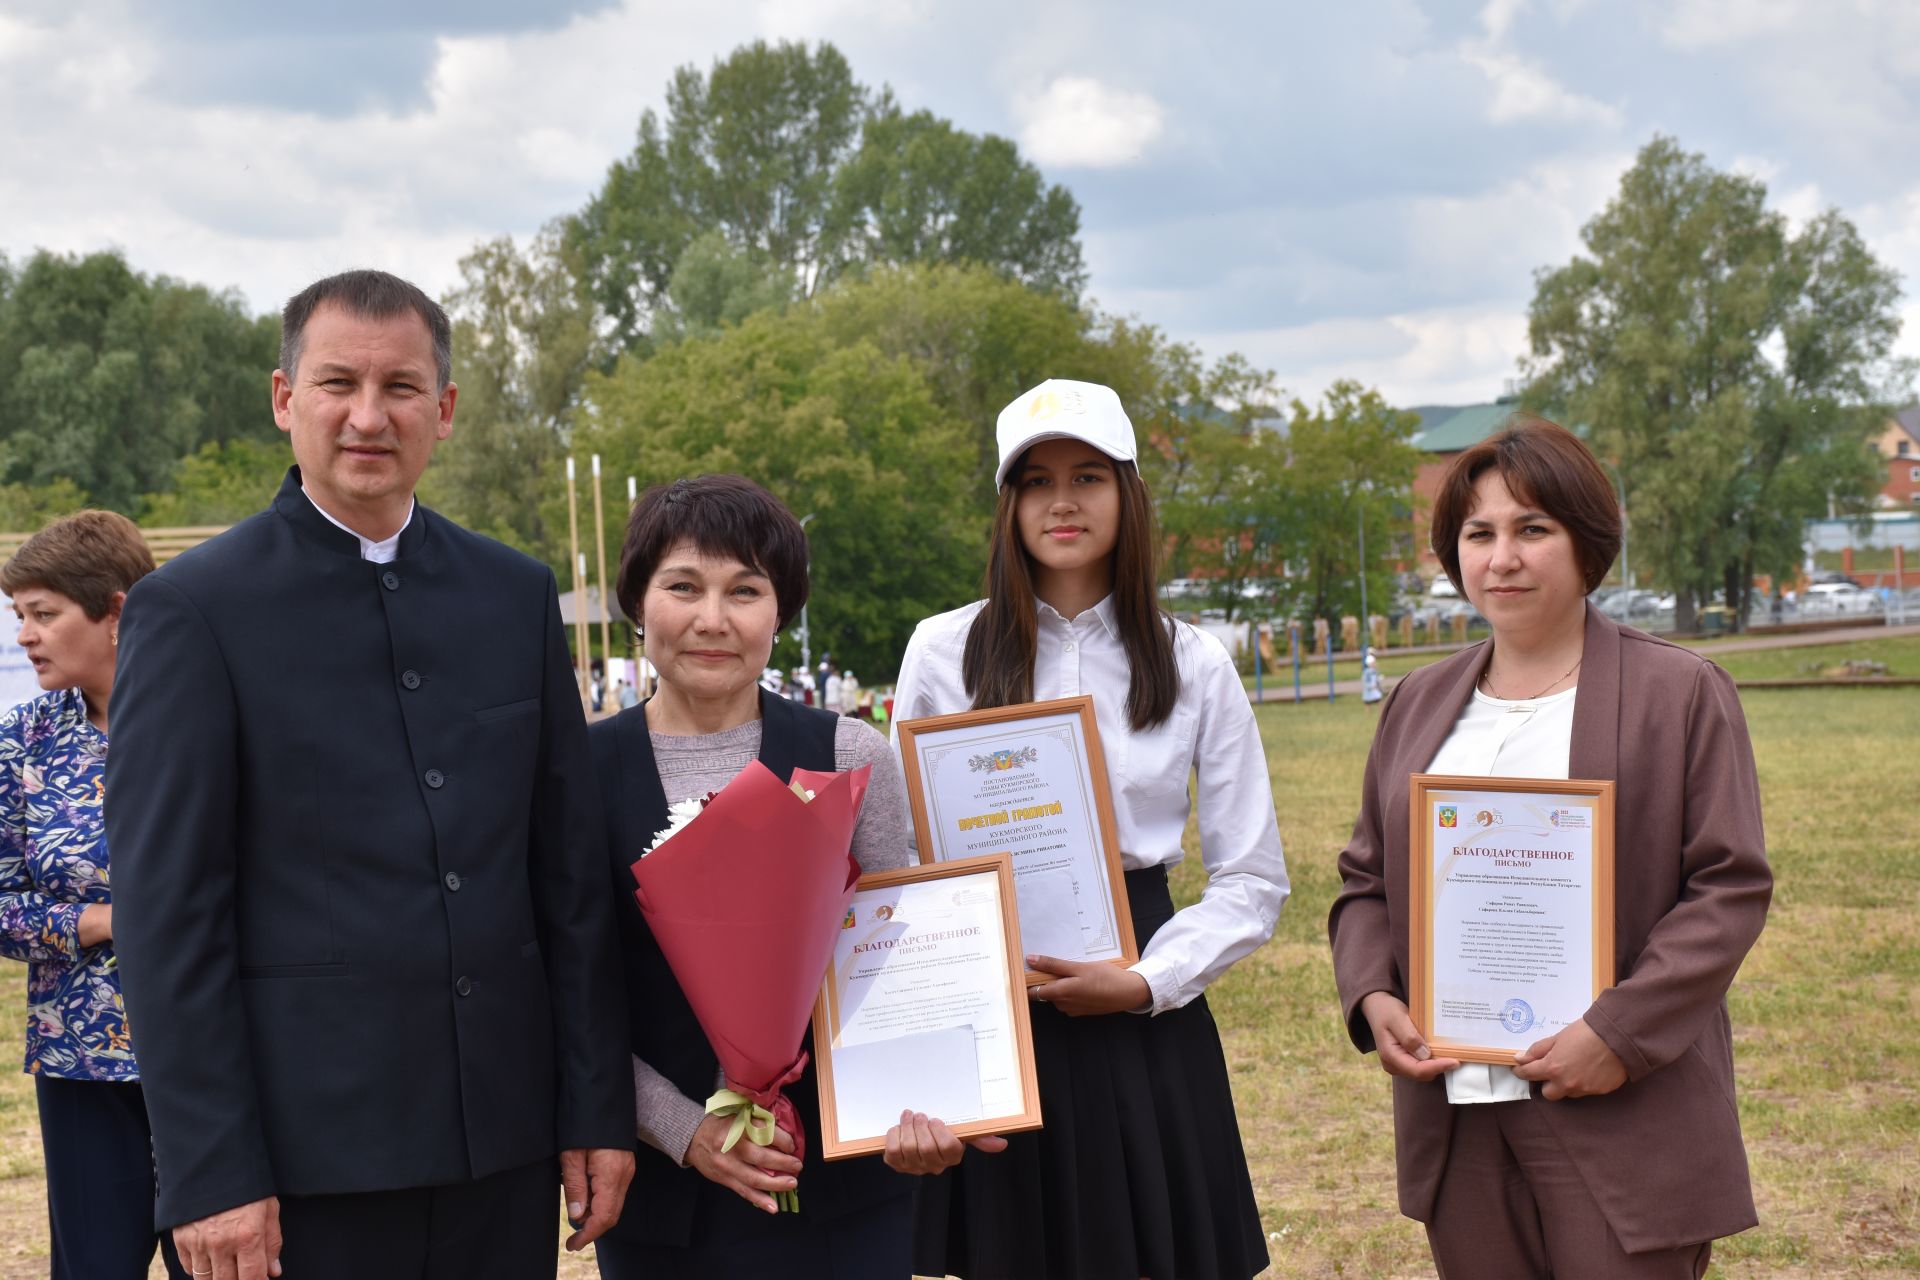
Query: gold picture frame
<point x="1437" y="802"/>
<point x="1005" y="733"/>
<point x="974" y="874"/>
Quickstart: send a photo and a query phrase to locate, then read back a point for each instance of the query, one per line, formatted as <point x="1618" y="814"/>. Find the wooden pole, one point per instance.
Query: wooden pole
<point x="579" y="588"/>
<point x="600" y="540"/>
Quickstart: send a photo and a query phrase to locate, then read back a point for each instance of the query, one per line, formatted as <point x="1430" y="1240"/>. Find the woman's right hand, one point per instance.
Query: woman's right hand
<point x="750" y="1171"/>
<point x="96" y="924"/>
<point x="1403" y="1050"/>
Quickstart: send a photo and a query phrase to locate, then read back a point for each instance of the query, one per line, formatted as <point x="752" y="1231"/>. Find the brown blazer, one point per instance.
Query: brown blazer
<point x="1662" y="1154"/>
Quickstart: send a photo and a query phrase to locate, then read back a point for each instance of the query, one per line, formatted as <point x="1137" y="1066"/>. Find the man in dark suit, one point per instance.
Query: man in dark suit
<point x="370" y="962"/>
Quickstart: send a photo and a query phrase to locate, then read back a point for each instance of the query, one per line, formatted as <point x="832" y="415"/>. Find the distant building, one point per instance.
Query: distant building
<point x="1444" y="431"/>
<point x="1899" y="445"/>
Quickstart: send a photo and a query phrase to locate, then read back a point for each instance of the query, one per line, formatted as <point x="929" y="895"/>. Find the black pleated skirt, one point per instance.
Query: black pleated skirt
<point x="1139" y="1170"/>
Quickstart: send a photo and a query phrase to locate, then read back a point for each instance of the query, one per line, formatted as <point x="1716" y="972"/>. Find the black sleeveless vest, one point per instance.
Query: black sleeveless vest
<point x="661" y="1028"/>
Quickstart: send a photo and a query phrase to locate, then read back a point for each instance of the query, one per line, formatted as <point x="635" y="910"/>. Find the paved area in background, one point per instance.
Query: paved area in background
<point x="1282" y="690"/>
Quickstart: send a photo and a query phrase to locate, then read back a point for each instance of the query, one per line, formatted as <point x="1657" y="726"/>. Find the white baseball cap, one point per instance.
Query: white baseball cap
<point x="1061" y="409"/>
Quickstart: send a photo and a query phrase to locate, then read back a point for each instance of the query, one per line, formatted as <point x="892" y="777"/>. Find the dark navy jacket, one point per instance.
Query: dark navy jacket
<point x="359" y="882"/>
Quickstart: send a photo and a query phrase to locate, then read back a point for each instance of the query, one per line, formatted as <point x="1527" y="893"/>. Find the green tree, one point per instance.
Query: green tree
<point x="839" y="430"/>
<point x="523" y="339"/>
<point x="920" y="190"/>
<point x="978" y="338"/>
<point x="805" y="175"/>
<point x="219" y="484"/>
<point x="1349" y="462"/>
<point x="24" y="508"/>
<point x="1213" y="462"/>
<point x="749" y="150"/>
<point x="1730" y="371"/>
<point x="108" y="377"/>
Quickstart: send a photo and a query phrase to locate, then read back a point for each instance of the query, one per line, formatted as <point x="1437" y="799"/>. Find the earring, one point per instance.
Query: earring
<point x="114" y="636"/>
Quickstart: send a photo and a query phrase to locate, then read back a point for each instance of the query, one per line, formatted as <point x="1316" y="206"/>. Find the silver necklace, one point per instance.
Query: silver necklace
<point x="1486" y="681"/>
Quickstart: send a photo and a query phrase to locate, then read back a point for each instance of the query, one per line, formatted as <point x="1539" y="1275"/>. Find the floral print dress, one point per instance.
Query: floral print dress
<point x="53" y="863"/>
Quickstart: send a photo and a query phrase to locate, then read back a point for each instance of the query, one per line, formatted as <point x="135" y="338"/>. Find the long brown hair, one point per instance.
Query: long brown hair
<point x="997" y="665"/>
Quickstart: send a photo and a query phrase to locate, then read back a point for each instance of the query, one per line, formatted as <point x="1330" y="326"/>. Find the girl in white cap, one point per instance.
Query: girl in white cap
<point x="1139" y="1170"/>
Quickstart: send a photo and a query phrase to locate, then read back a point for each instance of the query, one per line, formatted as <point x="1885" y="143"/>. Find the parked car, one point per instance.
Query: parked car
<point x="1836" y="598"/>
<point x="1443" y="588"/>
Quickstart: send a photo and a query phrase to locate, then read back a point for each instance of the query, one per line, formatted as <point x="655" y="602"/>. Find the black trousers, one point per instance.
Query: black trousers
<point x="503" y="1227"/>
<point x="99" y="1157"/>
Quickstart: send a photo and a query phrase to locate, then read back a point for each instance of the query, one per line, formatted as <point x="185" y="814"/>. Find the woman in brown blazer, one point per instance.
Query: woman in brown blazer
<point x="1613" y="1148"/>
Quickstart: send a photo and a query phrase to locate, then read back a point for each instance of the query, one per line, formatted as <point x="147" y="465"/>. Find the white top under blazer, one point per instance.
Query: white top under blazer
<point x="1504" y="738"/>
<point x="1210" y="735"/>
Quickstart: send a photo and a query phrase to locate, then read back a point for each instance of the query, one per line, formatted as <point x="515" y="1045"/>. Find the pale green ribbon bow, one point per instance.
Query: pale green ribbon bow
<point x="754" y="1121"/>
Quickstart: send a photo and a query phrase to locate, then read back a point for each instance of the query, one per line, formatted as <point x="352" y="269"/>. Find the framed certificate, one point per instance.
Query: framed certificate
<point x="923" y="1009"/>
<point x="1029" y="781"/>
<point x="1512" y="895"/>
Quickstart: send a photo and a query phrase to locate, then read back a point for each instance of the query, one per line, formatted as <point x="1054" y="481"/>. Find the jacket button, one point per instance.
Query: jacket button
<point x="410" y="678"/>
<point x="463" y="985"/>
<point x="390" y="580"/>
<point x="436" y="779"/>
<point x="454" y="882"/>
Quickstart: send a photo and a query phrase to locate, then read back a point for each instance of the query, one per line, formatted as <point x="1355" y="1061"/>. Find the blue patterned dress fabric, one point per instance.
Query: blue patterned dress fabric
<point x="53" y="863"/>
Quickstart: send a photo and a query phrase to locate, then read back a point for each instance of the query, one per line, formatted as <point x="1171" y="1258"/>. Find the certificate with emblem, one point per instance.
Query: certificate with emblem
<point x="1511" y="887"/>
<point x="923" y="1008"/>
<point x="1029" y="781"/>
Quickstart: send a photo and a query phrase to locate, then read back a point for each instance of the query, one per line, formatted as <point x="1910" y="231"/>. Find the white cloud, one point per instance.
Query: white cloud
<point x="1522" y="89"/>
<point x="1078" y="123"/>
<point x="1454" y="355"/>
<point x="1693" y="24"/>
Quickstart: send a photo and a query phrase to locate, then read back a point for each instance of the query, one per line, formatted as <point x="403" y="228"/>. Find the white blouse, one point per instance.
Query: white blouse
<point x="1504" y="738"/>
<point x="1211" y="735"/>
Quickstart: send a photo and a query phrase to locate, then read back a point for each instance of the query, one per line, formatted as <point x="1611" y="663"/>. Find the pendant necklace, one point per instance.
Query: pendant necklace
<point x="1486" y="681"/>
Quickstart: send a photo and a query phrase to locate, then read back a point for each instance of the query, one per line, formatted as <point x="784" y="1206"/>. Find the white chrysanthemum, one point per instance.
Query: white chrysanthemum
<point x="679" y="814"/>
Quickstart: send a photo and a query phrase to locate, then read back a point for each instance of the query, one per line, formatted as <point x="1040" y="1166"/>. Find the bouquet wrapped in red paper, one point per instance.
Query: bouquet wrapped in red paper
<point x="744" y="895"/>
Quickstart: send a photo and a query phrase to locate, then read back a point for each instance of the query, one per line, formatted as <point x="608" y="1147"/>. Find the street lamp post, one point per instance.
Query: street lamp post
<point x="806" y="637"/>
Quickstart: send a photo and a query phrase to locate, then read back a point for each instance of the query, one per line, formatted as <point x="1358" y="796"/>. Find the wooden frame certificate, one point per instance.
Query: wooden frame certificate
<point x="1030" y="781"/>
<point x="923" y="1009"/>
<point x="1512" y="897"/>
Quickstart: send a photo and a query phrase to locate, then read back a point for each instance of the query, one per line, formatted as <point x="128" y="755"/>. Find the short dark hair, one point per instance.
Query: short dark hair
<point x="369" y="295"/>
<point x="722" y="515"/>
<point x="86" y="557"/>
<point x="1546" y="465"/>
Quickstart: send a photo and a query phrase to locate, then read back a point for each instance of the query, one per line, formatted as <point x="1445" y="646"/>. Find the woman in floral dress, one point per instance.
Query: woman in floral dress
<point x="66" y="584"/>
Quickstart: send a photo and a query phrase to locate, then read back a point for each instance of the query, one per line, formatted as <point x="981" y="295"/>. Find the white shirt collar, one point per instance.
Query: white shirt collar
<point x="1103" y="611"/>
<point x="381" y="552"/>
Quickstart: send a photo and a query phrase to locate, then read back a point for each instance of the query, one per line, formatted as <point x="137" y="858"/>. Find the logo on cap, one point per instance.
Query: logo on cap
<point x="1053" y="402"/>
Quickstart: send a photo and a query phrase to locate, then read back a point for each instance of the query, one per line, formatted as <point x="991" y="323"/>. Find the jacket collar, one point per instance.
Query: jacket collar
<point x="1594" y="751"/>
<point x="298" y="510"/>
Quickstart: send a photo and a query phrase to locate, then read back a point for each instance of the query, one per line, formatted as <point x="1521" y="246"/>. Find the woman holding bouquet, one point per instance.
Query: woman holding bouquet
<point x="1139" y="1170"/>
<point x="1612" y="1148"/>
<point x="710" y="570"/>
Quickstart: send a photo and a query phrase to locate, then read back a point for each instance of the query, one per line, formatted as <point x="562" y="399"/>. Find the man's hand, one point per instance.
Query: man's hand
<point x="242" y="1243"/>
<point x="920" y="1144"/>
<point x="1081" y="987"/>
<point x="1403" y="1050"/>
<point x="595" y="1182"/>
<point x="750" y="1171"/>
<point x="1575" y="1063"/>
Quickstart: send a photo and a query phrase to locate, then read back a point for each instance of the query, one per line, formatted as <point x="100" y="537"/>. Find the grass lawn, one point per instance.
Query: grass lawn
<point x="1826" y="1013"/>
<point x="1899" y="654"/>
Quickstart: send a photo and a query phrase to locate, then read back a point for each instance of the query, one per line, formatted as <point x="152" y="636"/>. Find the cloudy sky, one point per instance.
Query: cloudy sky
<point x="1358" y="189"/>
